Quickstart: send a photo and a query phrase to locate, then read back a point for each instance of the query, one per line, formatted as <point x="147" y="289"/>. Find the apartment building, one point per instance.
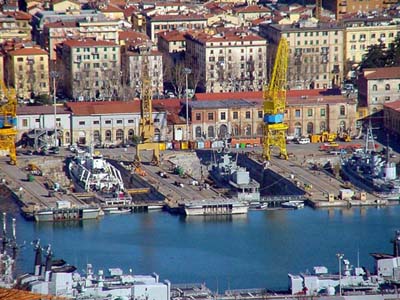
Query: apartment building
<point x="89" y="69"/>
<point x="343" y="7"/>
<point x="391" y="119"/>
<point x="231" y="60"/>
<point x="377" y="87"/>
<point x="97" y="27"/>
<point x="316" y="53"/>
<point x="172" y="44"/>
<point x="134" y="59"/>
<point x="15" y="25"/>
<point x="27" y="70"/>
<point x="63" y="6"/>
<point x="362" y="32"/>
<point x="248" y="13"/>
<point x="158" y="23"/>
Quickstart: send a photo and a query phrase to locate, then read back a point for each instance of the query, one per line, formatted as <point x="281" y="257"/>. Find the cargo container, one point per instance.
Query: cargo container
<point x="200" y="145"/>
<point x="184" y="145"/>
<point x="162" y="146"/>
<point x="207" y="144"/>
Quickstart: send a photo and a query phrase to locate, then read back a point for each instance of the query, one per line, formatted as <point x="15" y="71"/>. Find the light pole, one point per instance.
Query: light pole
<point x="187" y="71"/>
<point x="340" y="257"/>
<point x="54" y="75"/>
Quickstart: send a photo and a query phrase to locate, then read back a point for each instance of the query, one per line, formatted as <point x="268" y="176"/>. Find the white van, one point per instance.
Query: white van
<point x="303" y="141"/>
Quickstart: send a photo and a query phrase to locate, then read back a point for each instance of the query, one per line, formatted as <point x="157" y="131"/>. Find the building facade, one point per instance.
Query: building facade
<point x="15" y="25"/>
<point x="361" y="33"/>
<point x="27" y="70"/>
<point x="315" y="53"/>
<point x="378" y="86"/>
<point x="391" y="119"/>
<point x="232" y="60"/>
<point x="343" y="7"/>
<point x="90" y="70"/>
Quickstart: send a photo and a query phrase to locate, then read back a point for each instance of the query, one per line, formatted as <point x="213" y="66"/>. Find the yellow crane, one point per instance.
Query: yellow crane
<point x="8" y="121"/>
<point x="146" y="125"/>
<point x="275" y="104"/>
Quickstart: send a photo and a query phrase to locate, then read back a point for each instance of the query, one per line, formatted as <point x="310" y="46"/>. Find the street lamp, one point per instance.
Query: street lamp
<point x="340" y="257"/>
<point x="54" y="76"/>
<point x="187" y="71"/>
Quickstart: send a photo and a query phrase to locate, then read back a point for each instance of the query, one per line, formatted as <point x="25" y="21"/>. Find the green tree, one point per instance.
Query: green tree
<point x="393" y="53"/>
<point x="375" y="57"/>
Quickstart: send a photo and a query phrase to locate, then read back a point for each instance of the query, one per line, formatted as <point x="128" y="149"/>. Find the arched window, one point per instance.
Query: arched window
<point x="67" y="137"/>
<point x="108" y="136"/>
<point x="96" y="136"/>
<point x="310" y="128"/>
<point x="342" y="110"/>
<point x="235" y="130"/>
<point x="322" y="126"/>
<point x="342" y="125"/>
<point x="374" y="87"/>
<point x="119" y="135"/>
<point x="247" y="130"/>
<point x="198" y="132"/>
<point x="223" y="131"/>
<point x="260" y="129"/>
<point x="210" y="132"/>
<point x="387" y="87"/>
<point x="131" y="134"/>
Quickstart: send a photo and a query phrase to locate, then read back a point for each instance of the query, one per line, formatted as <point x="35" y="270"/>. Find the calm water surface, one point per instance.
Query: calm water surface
<point x="257" y="250"/>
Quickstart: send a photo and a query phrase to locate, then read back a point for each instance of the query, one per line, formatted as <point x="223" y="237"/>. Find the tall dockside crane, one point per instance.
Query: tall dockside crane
<point x="8" y="121"/>
<point x="275" y="104"/>
<point x="146" y="126"/>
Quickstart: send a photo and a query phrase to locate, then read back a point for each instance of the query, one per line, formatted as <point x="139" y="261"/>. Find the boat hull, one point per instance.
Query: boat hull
<point x="51" y="215"/>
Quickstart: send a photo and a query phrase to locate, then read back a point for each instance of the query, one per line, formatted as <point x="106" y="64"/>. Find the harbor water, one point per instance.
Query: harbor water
<point x="253" y="251"/>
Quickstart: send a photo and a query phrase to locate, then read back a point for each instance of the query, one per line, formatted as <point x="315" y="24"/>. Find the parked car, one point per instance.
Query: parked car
<point x="303" y="141"/>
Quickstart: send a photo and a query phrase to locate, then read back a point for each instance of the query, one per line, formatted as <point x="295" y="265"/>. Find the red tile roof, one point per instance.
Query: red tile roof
<point x="28" y="51"/>
<point x="382" y="73"/>
<point x="395" y="105"/>
<point x="225" y="35"/>
<point x="41" y="109"/>
<point x="96" y="108"/>
<point x="88" y="43"/>
<point x="133" y="36"/>
<point x="111" y="8"/>
<point x="62" y="24"/>
<point x="188" y="17"/>
<point x="172" y="35"/>
<point x="19" y="15"/>
<point x="251" y="9"/>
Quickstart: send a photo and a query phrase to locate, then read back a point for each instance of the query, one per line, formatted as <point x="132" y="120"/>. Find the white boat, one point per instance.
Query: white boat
<point x="116" y="210"/>
<point x="295" y="204"/>
<point x="214" y="207"/>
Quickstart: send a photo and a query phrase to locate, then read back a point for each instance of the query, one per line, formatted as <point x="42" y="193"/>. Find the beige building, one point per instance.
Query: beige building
<point x="376" y="87"/>
<point x="343" y="7"/>
<point x="249" y="13"/>
<point x="15" y="25"/>
<point x="28" y="71"/>
<point x="91" y="28"/>
<point x="62" y="6"/>
<point x="232" y="60"/>
<point x="307" y="112"/>
<point x="391" y="119"/>
<point x="360" y="33"/>
<point x="158" y="23"/>
<point x="89" y="69"/>
<point x="316" y="53"/>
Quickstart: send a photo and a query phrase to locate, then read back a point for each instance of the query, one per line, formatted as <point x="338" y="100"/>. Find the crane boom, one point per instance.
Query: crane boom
<point x="275" y="104"/>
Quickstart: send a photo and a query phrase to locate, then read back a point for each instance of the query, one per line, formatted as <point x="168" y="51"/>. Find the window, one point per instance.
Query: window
<point x="248" y="115"/>
<point x="96" y="136"/>
<point x="387" y="87"/>
<point x="119" y="135"/>
<point x="322" y="112"/>
<point x="235" y="115"/>
<point x="119" y="121"/>
<point x="210" y="131"/>
<point x="210" y="116"/>
<point x="309" y="112"/>
<point x="198" y="116"/>
<point x="260" y="114"/>
<point x="297" y="113"/>
<point x="20" y="59"/>
<point x="81" y="122"/>
<point x="107" y="122"/>
<point x="130" y="121"/>
<point x="342" y="110"/>
<point x="96" y="122"/>
<point x="374" y="87"/>
<point x="223" y="115"/>
<point x="310" y="128"/>
<point x="247" y="130"/>
<point x="108" y="136"/>
<point x="198" y="132"/>
<point x="24" y="122"/>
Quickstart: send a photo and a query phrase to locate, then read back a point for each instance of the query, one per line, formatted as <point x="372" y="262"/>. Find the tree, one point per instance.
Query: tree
<point x="375" y="57"/>
<point x="393" y="53"/>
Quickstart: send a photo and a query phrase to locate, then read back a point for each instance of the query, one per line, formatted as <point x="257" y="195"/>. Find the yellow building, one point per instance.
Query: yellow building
<point x="360" y="33"/>
<point x="113" y="12"/>
<point x="28" y="71"/>
<point x="65" y="5"/>
<point x="15" y="25"/>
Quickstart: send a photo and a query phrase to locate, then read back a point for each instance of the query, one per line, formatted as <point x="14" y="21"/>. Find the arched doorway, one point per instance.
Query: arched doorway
<point x="210" y="132"/>
<point x="223" y="131"/>
<point x="298" y="129"/>
<point x="247" y="130"/>
<point x="108" y="136"/>
<point x="260" y="130"/>
<point x="96" y="137"/>
<point x="310" y="128"/>
<point x="82" y="137"/>
<point x="119" y="135"/>
<point x="198" y="132"/>
<point x="322" y="126"/>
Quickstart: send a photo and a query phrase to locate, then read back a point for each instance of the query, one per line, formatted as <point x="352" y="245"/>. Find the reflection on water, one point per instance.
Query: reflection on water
<point x="213" y="219"/>
<point x="68" y="224"/>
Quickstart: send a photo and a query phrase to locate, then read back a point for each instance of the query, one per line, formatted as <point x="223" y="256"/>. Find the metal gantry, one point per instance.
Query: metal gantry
<point x="8" y="121"/>
<point x="275" y="104"/>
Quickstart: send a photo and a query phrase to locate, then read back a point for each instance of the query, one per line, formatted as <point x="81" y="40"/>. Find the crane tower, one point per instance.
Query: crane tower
<point x="146" y="125"/>
<point x="8" y="121"/>
<point x="275" y="104"/>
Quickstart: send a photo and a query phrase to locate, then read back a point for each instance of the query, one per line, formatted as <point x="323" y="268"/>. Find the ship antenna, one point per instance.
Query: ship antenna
<point x="358" y="257"/>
